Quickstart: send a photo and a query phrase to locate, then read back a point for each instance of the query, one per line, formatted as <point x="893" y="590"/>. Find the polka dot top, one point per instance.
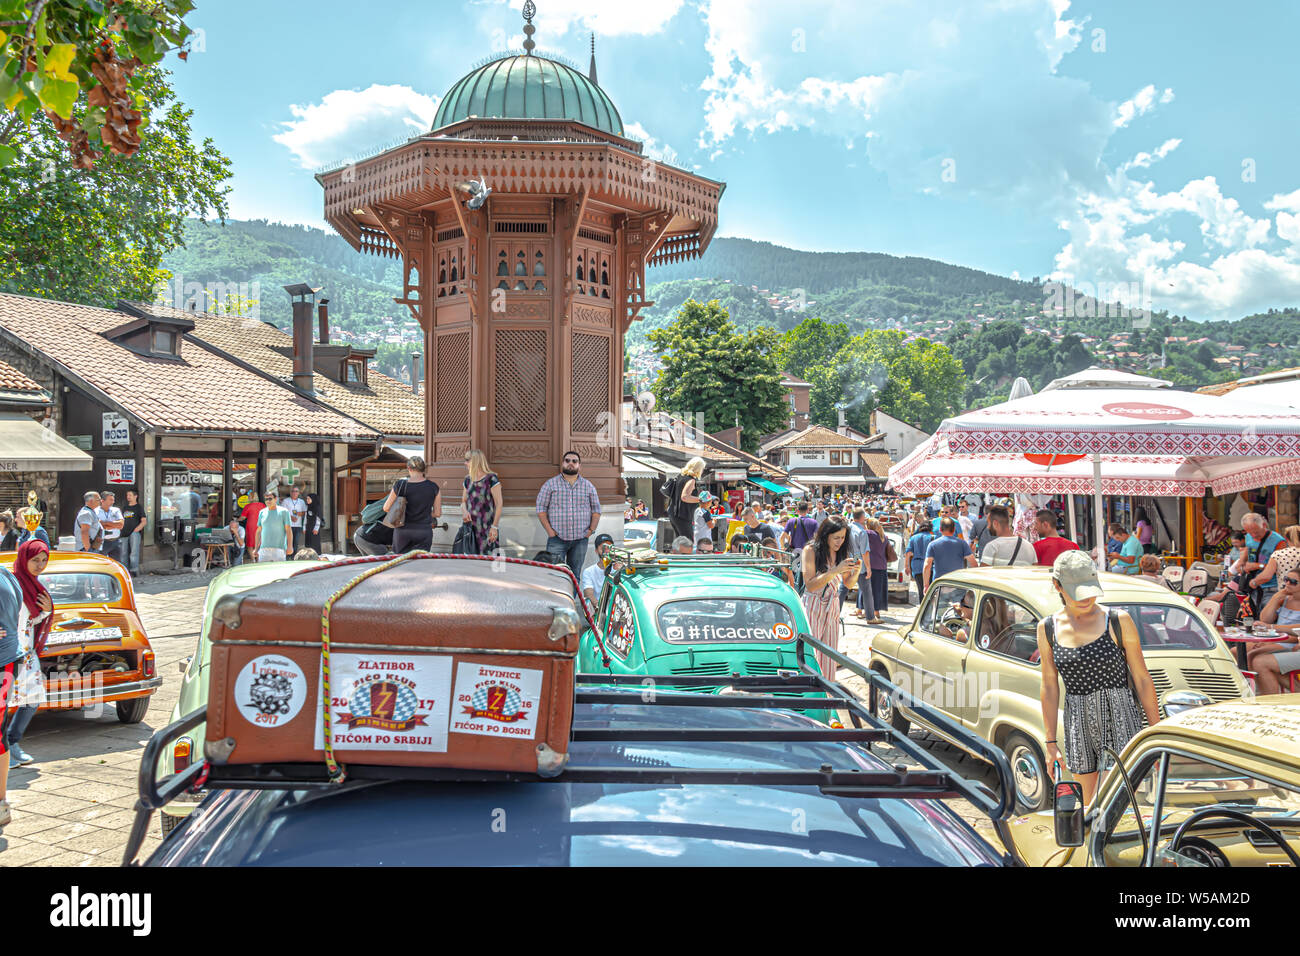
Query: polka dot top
<point x="1098" y="665"/>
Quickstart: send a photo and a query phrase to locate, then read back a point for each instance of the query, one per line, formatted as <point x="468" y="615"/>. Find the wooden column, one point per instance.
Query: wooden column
<point x="227" y="480"/>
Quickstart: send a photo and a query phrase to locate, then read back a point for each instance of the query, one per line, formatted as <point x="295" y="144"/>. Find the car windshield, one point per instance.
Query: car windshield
<point x="82" y="588"/>
<point x="1167" y="627"/>
<point x="701" y="620"/>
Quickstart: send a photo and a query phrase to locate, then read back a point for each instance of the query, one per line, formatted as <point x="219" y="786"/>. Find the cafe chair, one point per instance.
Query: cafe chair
<point x="1212" y="570"/>
<point x="1196" y="582"/>
<point x="1210" y="609"/>
<point x="1173" y="576"/>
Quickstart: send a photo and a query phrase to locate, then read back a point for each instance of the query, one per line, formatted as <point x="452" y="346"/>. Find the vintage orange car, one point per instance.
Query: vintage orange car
<point x="97" y="652"/>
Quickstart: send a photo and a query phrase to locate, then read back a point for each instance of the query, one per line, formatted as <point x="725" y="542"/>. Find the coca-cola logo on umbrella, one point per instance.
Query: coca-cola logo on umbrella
<point x="1147" y="411"/>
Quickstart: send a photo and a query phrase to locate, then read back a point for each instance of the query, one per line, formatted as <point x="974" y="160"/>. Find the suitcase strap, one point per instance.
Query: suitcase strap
<point x="337" y="772"/>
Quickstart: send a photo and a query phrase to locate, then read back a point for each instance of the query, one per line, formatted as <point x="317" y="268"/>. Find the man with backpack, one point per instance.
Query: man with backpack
<point x="373" y="537"/>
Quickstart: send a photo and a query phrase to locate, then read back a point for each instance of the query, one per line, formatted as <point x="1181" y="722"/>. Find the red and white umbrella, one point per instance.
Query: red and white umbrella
<point x="933" y="466"/>
<point x="1105" y="421"/>
<point x="1152" y="441"/>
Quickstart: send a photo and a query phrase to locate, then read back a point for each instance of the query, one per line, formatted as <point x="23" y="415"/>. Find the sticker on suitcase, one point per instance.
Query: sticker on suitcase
<point x="496" y="701"/>
<point x="270" y="691"/>
<point x="388" y="702"/>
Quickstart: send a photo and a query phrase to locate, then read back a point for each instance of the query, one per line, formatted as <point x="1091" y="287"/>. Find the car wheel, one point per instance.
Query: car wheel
<point x="132" y="711"/>
<point x="1029" y="771"/>
<point x="886" y="711"/>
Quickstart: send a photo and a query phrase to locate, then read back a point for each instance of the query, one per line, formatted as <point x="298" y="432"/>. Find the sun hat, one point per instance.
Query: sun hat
<point x="1077" y="575"/>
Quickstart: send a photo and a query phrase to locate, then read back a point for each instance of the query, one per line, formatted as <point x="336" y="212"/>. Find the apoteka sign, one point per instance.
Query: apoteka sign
<point x="1147" y="411"/>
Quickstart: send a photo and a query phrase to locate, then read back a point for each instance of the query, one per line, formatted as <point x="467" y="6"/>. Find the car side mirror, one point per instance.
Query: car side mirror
<point x="1067" y="813"/>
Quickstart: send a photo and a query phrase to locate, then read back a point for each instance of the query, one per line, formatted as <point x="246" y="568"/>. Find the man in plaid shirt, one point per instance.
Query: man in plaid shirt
<point x="569" y="509"/>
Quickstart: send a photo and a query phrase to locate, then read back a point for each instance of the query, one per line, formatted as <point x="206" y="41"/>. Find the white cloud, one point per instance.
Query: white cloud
<point x="1288" y="201"/>
<point x="345" y="121"/>
<point x="960" y="98"/>
<point x="651" y="147"/>
<point x="964" y="100"/>
<point x="1143" y="102"/>
<point x="1144" y="159"/>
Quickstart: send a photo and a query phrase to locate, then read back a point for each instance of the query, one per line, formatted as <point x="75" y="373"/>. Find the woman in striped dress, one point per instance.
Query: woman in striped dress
<point x="826" y="560"/>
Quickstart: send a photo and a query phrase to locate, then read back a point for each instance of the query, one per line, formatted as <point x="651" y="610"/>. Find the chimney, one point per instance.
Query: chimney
<point x="322" y="311"/>
<point x="303" y="297"/>
<point x="844" y="422"/>
<point x="415" y="372"/>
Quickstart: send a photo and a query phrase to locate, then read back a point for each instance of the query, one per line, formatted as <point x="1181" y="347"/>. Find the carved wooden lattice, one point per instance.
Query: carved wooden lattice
<point x="590" y="399"/>
<point x="521" y="382"/>
<point x="453" y="383"/>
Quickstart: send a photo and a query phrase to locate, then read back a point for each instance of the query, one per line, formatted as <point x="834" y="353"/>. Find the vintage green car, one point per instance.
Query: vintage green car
<point x="194" y="683"/>
<point x="692" y="615"/>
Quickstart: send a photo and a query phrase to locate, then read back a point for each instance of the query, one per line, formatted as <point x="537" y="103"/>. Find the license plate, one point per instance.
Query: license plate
<point x="86" y="635"/>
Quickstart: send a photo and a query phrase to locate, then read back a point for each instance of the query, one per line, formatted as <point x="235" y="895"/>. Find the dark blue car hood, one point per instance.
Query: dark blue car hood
<point x="404" y="823"/>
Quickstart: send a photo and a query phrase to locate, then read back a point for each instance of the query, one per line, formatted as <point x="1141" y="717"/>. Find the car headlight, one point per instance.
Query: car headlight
<point x="1177" y="701"/>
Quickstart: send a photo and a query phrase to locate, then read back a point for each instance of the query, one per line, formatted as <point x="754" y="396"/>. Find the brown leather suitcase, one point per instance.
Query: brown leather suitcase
<point x="435" y="661"/>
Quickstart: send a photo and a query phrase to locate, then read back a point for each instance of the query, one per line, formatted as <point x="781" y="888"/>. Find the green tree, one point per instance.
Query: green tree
<point x="712" y="370"/>
<point x="811" y="342"/>
<point x="83" y="65"/>
<point x="98" y="235"/>
<point x="919" y="382"/>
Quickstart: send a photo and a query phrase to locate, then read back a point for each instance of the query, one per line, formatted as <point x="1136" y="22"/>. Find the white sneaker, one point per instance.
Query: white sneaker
<point x="5" y="815"/>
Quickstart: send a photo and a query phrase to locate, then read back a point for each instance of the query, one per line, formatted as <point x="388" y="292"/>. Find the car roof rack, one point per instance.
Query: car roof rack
<point x="647" y="559"/>
<point x="930" y="779"/>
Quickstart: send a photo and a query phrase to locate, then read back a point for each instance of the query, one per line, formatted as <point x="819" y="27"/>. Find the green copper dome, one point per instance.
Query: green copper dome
<point x="528" y="87"/>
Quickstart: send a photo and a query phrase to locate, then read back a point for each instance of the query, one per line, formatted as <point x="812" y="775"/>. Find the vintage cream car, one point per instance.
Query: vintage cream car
<point x="1223" y="780"/>
<point x="972" y="652"/>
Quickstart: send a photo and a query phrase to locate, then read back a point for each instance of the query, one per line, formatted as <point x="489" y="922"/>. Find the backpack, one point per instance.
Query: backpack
<point x="373" y="513"/>
<point x="669" y="489"/>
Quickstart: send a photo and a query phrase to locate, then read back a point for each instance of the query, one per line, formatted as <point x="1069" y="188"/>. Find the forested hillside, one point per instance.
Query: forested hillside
<point x="995" y="325"/>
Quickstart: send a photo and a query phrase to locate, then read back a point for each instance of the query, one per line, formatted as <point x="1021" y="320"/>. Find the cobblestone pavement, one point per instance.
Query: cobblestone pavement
<point x="73" y="806"/>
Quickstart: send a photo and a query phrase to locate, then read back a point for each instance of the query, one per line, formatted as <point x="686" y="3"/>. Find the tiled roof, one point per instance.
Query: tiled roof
<point x="878" y="462"/>
<point x="200" y="392"/>
<point x="817" y="436"/>
<point x="384" y="404"/>
<point x="12" y="380"/>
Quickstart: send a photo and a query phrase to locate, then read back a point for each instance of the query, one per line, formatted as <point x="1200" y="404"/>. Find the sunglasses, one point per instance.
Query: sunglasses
<point x="571" y="461"/>
<point x="1291" y="581"/>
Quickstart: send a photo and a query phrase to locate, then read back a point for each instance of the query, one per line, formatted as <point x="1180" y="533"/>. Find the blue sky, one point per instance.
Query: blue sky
<point x="1123" y="143"/>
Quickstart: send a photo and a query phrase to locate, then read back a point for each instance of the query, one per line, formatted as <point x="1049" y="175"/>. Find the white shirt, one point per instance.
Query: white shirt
<point x="593" y="580"/>
<point x="296" y="511"/>
<point x="966" y="524"/>
<point x="999" y="551"/>
<point x="110" y="514"/>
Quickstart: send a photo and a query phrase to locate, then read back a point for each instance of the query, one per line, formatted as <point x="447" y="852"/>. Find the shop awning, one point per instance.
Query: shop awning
<point x="407" y="451"/>
<point x="636" y="468"/>
<point x="770" y="485"/>
<point x="837" y="480"/>
<point x="27" y="445"/>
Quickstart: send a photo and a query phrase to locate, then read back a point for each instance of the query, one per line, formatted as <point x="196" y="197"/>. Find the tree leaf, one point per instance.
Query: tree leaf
<point x="59" y="96"/>
<point x="58" y="59"/>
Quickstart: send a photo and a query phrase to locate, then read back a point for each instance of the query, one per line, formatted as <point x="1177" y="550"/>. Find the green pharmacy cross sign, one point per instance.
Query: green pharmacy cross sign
<point x="290" y="472"/>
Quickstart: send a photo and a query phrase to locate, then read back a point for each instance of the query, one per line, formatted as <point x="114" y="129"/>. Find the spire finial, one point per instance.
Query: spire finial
<point x="591" y="71"/>
<point x="530" y="11"/>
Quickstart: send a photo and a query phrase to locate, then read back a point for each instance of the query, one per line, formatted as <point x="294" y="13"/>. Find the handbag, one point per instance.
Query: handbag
<point x="396" y="515"/>
<point x="890" y="553"/>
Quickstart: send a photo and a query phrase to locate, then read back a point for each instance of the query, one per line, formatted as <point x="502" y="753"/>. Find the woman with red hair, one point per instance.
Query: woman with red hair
<point x="35" y="619"/>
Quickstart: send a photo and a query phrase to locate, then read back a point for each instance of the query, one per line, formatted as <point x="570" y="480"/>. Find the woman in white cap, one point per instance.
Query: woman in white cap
<point x="1097" y="652"/>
